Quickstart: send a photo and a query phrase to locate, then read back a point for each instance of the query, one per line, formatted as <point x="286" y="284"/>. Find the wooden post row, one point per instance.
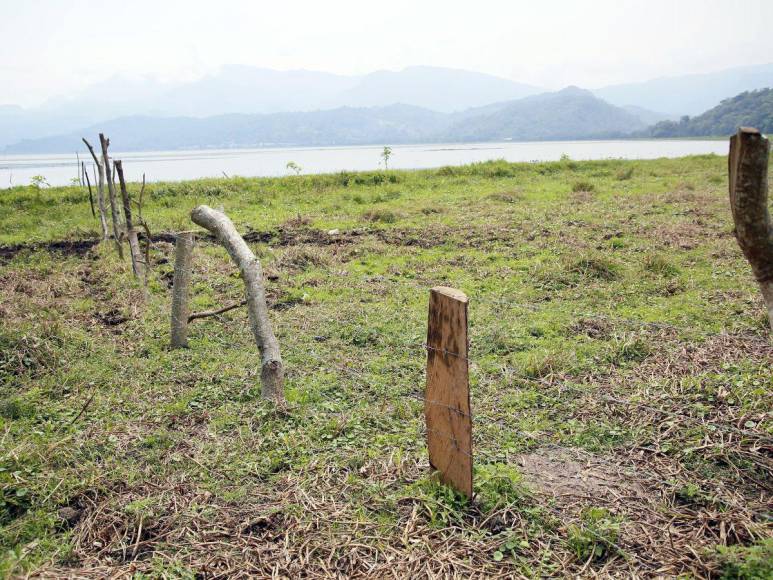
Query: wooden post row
<point x="447" y="397"/>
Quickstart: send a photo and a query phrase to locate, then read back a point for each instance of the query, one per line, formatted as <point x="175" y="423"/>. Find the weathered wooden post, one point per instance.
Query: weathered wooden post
<point x="138" y="262"/>
<point x="114" y="211"/>
<point x="447" y="397"/>
<point x="272" y="368"/>
<point x="183" y="256"/>
<point x="748" y="172"/>
<point x="100" y="190"/>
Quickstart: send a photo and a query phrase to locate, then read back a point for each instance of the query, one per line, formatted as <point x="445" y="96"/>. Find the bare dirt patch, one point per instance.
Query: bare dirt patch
<point x="565" y="474"/>
<point x="667" y="523"/>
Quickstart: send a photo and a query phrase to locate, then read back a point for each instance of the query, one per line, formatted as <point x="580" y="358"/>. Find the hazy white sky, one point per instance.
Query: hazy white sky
<point x="54" y="47"/>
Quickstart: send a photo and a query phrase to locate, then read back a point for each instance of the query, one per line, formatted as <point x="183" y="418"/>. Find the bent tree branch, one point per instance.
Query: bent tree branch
<point x="272" y="369"/>
<point x="209" y="313"/>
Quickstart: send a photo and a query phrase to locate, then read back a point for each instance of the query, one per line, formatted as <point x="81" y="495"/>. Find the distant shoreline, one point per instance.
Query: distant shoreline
<point x="182" y="165"/>
<point x="343" y="146"/>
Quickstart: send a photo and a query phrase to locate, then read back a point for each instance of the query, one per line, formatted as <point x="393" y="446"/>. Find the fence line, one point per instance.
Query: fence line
<point x="576" y="390"/>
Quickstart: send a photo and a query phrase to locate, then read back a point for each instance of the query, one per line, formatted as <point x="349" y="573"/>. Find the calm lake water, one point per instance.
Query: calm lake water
<point x="179" y="165"/>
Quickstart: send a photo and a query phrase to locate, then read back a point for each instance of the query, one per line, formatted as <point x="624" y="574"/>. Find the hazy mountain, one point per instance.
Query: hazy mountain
<point x="571" y="113"/>
<point x="749" y="109"/>
<point x="649" y="117"/>
<point x="342" y="126"/>
<point x="246" y="90"/>
<point x="440" y="89"/>
<point x="17" y="123"/>
<point x="568" y="114"/>
<point x="689" y="94"/>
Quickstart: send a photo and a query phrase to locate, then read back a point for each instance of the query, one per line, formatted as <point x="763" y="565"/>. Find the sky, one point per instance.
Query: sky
<point x="54" y="48"/>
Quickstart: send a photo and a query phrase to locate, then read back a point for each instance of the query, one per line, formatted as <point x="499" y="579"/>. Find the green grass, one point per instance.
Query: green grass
<point x="611" y="314"/>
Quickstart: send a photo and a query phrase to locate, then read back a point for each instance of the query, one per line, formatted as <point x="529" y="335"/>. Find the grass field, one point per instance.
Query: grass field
<point x="620" y="373"/>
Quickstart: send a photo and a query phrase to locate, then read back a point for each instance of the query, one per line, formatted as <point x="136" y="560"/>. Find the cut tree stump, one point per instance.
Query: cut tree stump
<point x="183" y="257"/>
<point x="447" y="397"/>
<point x="748" y="173"/>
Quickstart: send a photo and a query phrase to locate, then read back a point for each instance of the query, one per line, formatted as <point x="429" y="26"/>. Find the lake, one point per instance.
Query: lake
<point x="180" y="165"/>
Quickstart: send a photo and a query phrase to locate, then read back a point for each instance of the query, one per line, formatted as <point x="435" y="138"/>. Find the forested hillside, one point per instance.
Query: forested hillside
<point x="749" y="109"/>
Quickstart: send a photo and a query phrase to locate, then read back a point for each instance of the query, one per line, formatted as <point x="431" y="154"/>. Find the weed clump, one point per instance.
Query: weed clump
<point x="441" y="504"/>
<point x="302" y="258"/>
<point x="594" y="538"/>
<point x="380" y="215"/>
<point x="346" y="178"/>
<point x="597" y="328"/>
<point x="594" y="268"/>
<point x="497" y="486"/>
<point x="539" y="365"/>
<point x="629" y="349"/>
<point x="26" y="355"/>
<point x="660" y="265"/>
<point x="504" y="197"/>
<point x="583" y="187"/>
<point x="747" y="562"/>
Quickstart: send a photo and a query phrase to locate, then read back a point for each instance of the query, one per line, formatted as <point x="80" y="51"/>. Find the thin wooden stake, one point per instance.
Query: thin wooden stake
<point x="138" y="263"/>
<point x="91" y="195"/>
<point x="447" y="398"/>
<point x="100" y="183"/>
<point x="114" y="211"/>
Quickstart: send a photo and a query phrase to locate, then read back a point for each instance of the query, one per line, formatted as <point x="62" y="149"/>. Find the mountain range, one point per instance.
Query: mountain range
<point x="248" y="106"/>
<point x="571" y="113"/>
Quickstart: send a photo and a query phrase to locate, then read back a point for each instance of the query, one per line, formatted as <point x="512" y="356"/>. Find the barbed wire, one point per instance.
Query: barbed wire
<point x="478" y="298"/>
<point x="567" y="387"/>
<point x="499" y="301"/>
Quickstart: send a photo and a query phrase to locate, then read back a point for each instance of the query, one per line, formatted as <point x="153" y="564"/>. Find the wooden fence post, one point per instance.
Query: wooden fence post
<point x="114" y="211"/>
<point x="748" y="172"/>
<point x="183" y="252"/>
<point x="100" y="190"/>
<point x="138" y="264"/>
<point x="447" y="398"/>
